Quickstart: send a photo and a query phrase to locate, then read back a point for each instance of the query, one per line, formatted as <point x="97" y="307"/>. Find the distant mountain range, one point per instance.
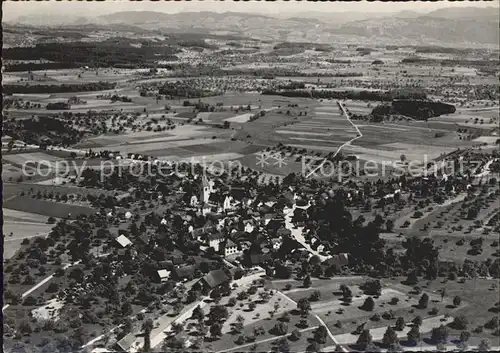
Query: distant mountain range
<point x="448" y="26"/>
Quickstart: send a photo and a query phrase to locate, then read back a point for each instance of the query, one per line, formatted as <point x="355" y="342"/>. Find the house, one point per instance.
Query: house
<point x="163" y="275"/>
<point x="238" y="193"/>
<point x="214" y="240"/>
<point x="258" y="259"/>
<point x="276" y="243"/>
<point x="249" y="226"/>
<point x="245" y="244"/>
<point x="283" y="232"/>
<point x="213" y="279"/>
<point x="183" y="272"/>
<point x="230" y="248"/>
<point x="123" y="241"/>
<point x="228" y="203"/>
<point x="337" y="261"/>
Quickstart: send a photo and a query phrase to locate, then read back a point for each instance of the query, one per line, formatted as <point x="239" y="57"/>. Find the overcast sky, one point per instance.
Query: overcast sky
<point x="14" y="9"/>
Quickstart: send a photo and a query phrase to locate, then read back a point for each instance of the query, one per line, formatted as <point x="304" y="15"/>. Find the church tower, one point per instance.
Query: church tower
<point x="206" y="190"/>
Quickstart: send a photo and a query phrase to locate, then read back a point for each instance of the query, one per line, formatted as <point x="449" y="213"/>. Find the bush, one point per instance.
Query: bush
<point x="459" y="323"/>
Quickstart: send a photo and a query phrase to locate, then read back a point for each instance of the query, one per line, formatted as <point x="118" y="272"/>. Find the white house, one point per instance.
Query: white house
<point x="214" y="240"/>
<point x="164" y="275"/>
<point x="228" y="203"/>
<point x="230" y="248"/>
<point x="123" y="241"/>
<point x="276" y="242"/>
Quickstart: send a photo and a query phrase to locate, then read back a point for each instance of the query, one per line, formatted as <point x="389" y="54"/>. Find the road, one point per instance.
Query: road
<point x="358" y="135"/>
<point x="297" y="232"/>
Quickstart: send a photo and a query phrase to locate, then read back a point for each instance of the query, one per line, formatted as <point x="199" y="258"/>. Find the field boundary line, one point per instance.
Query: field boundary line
<point x="359" y="135"/>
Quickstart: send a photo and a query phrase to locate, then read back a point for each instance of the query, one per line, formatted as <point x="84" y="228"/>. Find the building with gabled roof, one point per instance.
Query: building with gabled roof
<point x="123" y="241"/>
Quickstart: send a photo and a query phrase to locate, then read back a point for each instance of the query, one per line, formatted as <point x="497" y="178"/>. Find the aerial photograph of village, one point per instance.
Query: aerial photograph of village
<point x="250" y="177"/>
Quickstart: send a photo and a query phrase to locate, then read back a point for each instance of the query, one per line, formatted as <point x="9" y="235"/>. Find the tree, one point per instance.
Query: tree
<point x="456" y="301"/>
<point x="25" y="328"/>
<point x="400" y="324"/>
<point x="439" y="334"/>
<point x="216" y="330"/>
<point x="369" y="304"/>
<point x="364" y="339"/>
<point x="459" y="323"/>
<point x="147" y="327"/>
<point x="315" y="295"/>
<point x="283" y="346"/>
<point x="484" y="346"/>
<point x="303" y="323"/>
<point x="390" y="336"/>
<point x="177" y="327"/>
<point x="414" y="335"/>
<point x="280" y="328"/>
<point x="464" y="336"/>
<point x="320" y="334"/>
<point x="423" y="301"/>
<point x="417" y="321"/>
<point x="295" y="336"/>
<point x="126" y="309"/>
<point x="307" y="282"/>
<point x="304" y="306"/>
<point x="218" y="313"/>
<point x="198" y="314"/>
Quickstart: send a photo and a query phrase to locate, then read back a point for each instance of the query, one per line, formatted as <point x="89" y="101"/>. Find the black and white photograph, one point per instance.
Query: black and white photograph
<point x="250" y="176"/>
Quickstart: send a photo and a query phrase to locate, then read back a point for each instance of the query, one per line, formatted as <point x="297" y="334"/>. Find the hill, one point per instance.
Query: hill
<point x="449" y="26"/>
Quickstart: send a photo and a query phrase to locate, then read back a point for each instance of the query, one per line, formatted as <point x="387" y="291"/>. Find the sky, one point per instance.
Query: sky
<point x="14" y="9"/>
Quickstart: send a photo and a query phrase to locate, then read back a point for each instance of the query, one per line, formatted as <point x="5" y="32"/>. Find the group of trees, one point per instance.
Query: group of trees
<point x="116" y="52"/>
<point x="63" y="88"/>
<point x="387" y="96"/>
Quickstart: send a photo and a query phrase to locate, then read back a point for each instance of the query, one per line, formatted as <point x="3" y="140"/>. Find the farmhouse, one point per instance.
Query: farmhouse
<point x="212" y="280"/>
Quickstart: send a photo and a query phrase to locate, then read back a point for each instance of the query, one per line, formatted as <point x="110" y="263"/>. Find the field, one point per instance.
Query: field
<point x="46" y="208"/>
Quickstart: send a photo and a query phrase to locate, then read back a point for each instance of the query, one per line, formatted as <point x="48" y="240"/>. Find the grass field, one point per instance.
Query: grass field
<point x="46" y="208"/>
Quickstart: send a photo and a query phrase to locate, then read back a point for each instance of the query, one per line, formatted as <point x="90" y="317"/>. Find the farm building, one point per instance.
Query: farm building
<point x="213" y="279"/>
